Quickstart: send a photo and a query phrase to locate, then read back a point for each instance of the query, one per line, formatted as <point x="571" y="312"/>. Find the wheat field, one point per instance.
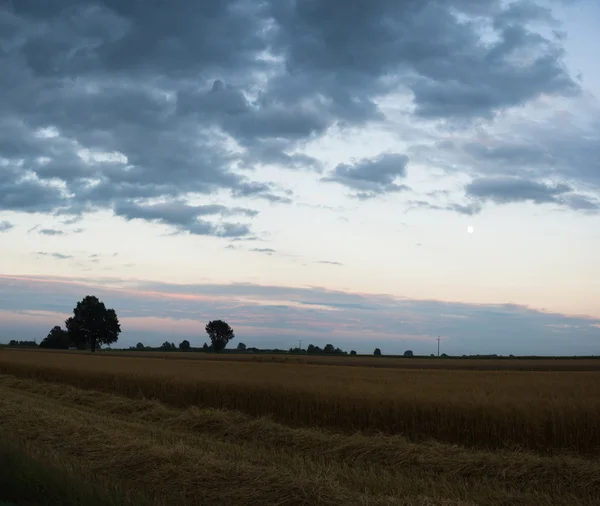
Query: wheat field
<point x="164" y="431"/>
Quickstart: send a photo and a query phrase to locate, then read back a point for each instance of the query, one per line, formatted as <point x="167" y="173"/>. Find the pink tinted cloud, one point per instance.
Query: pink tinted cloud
<point x="153" y="312"/>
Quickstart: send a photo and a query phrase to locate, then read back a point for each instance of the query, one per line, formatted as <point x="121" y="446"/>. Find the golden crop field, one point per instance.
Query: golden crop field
<point x="466" y="364"/>
<point x="183" y="431"/>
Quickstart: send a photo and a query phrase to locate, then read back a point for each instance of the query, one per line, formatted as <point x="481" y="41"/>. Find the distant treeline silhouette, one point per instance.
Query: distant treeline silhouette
<point x="22" y="344"/>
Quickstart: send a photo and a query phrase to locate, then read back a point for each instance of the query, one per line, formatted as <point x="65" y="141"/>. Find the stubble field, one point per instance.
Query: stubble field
<point x="105" y="429"/>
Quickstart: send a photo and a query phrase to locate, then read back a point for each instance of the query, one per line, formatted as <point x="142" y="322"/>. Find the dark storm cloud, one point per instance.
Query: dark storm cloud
<point x="5" y="226"/>
<point x="349" y="320"/>
<point x="372" y="176"/>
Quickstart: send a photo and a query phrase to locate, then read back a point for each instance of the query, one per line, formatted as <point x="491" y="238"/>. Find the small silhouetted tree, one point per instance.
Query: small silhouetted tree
<point x="329" y="348"/>
<point x="220" y="334"/>
<point x="57" y="338"/>
<point x="352" y="352"/>
<point x="241" y="347"/>
<point x="184" y="345"/>
<point x="140" y="346"/>
<point x="92" y="324"/>
<point x="408" y="353"/>
<point x="310" y="348"/>
<point x="377" y="352"/>
<point x="205" y="347"/>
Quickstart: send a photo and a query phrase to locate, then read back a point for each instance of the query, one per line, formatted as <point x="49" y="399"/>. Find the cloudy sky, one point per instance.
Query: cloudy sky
<point x="367" y="173"/>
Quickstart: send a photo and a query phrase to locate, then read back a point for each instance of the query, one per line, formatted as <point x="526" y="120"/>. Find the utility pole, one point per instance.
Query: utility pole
<point x="438" y="340"/>
<point x="300" y="344"/>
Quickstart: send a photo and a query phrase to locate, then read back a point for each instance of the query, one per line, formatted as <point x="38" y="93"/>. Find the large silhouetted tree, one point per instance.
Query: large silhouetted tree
<point x="220" y="334"/>
<point x="92" y="324"/>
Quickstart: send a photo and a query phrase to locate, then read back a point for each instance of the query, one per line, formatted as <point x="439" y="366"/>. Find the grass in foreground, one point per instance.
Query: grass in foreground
<point x="33" y="475"/>
<point x="193" y="456"/>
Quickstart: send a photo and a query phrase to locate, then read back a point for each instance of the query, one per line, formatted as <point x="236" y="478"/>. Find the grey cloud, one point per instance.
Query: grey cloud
<point x="260" y="190"/>
<point x="581" y="203"/>
<point x="187" y="217"/>
<point x="58" y="256"/>
<point x="105" y="102"/>
<point x="504" y="190"/>
<point x="372" y="176"/>
<point x="50" y="231"/>
<point x="378" y="45"/>
<point x="329" y="262"/>
<point x="267" y="251"/>
<point x="469" y="209"/>
<point x="564" y="147"/>
<point x="19" y="193"/>
<point x="5" y="226"/>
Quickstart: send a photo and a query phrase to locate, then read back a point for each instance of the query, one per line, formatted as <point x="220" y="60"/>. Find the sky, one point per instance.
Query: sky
<point x="362" y="173"/>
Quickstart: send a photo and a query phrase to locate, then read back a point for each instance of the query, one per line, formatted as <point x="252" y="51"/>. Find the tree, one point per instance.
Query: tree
<point x="166" y="346"/>
<point x="184" y="345"/>
<point x="92" y="324"/>
<point x="377" y="352"/>
<point x="220" y="334"/>
<point x="310" y="348"/>
<point x="241" y="347"/>
<point x="57" y="338"/>
<point x="329" y="348"/>
<point x="205" y="347"/>
<point x="352" y="352"/>
<point x="140" y="346"/>
<point x="408" y="353"/>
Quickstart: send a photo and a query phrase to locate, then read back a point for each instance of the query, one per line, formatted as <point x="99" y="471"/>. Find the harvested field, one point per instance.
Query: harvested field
<point x="207" y="432"/>
<point x="466" y="364"/>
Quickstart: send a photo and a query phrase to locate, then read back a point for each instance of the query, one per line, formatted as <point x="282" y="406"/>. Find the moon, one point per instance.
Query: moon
<point x="470" y="229"/>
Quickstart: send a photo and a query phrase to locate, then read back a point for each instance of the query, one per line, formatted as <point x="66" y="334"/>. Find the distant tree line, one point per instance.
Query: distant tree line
<point x="93" y="325"/>
<point x="23" y="344"/>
